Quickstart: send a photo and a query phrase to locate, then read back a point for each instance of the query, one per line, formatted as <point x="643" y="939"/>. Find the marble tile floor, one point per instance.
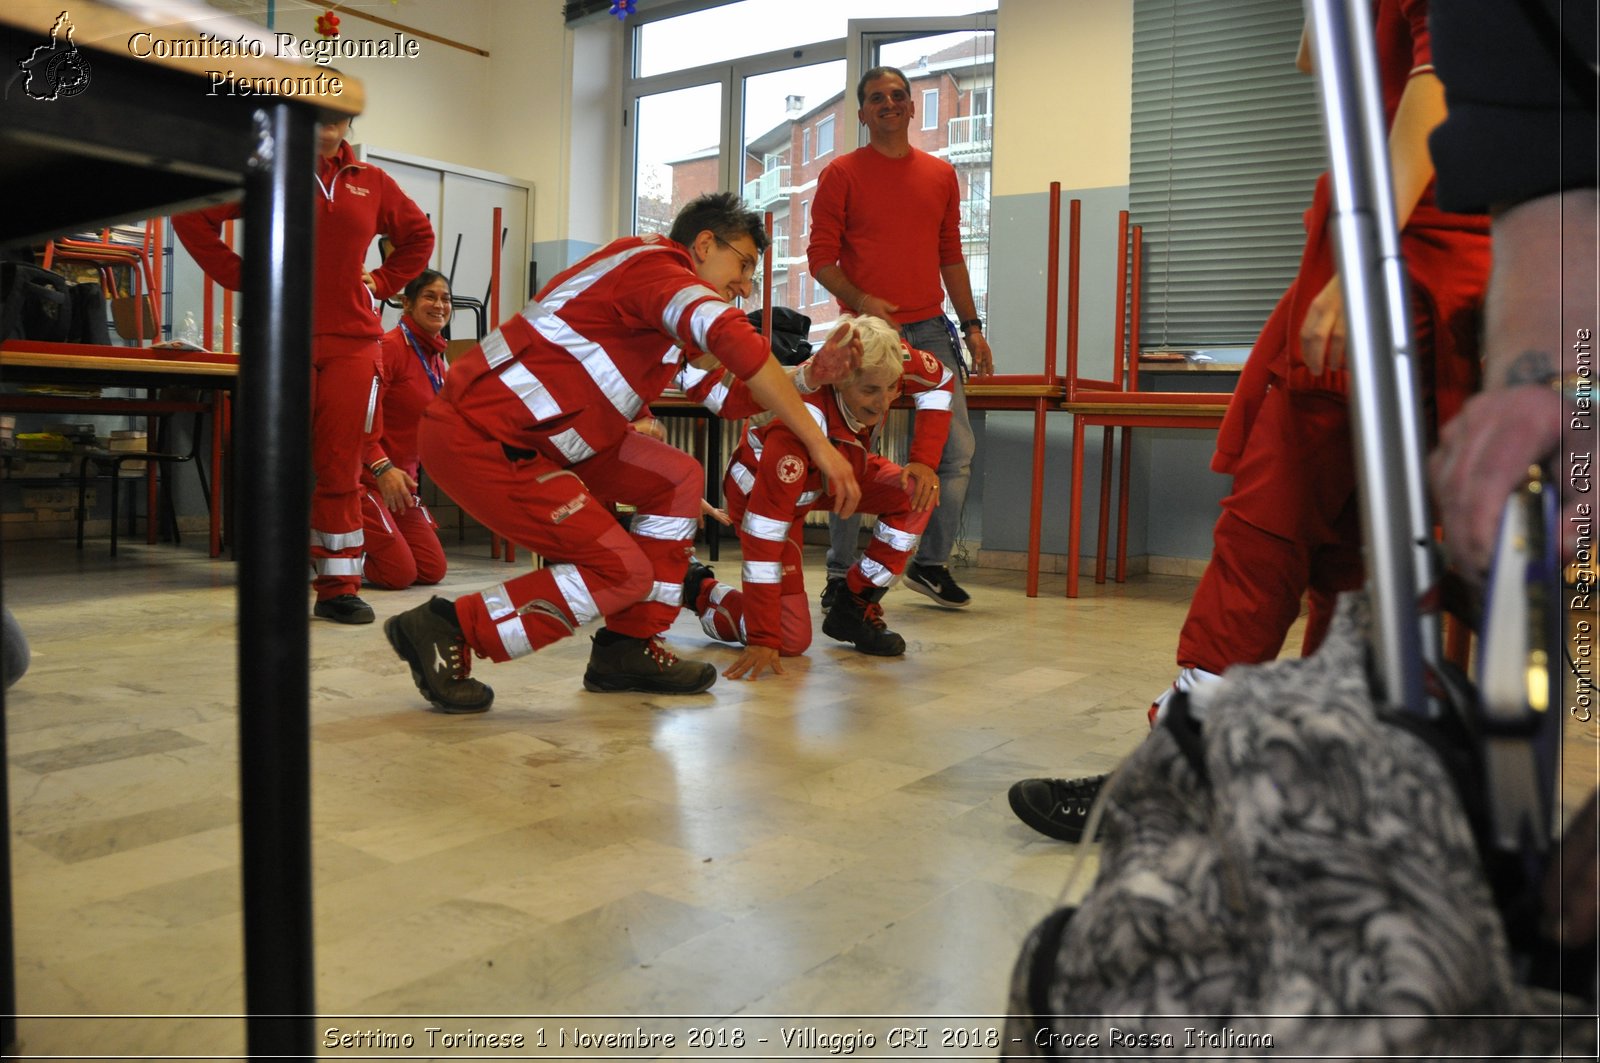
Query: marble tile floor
<point x="834" y="841"/>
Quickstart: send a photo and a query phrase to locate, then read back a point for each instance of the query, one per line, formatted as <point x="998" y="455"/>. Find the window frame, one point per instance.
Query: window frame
<point x="832" y="137"/>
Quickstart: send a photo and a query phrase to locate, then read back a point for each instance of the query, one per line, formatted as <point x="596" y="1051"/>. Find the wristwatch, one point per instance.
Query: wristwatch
<point x="972" y="323"/>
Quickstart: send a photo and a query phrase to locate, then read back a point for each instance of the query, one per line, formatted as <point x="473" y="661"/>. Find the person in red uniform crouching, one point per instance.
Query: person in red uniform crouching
<point x="359" y="203"/>
<point x="402" y="540"/>
<point x="533" y="435"/>
<point x="770" y="487"/>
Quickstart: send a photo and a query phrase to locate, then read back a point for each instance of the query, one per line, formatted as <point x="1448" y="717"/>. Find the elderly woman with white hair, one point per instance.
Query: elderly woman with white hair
<point x="772" y="483"/>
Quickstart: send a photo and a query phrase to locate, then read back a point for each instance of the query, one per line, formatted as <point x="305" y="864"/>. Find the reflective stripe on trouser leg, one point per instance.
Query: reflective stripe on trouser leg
<point x="336" y="558"/>
<point x="724" y="615"/>
<point x="664" y="485"/>
<point x="895" y="536"/>
<point x="342" y="382"/>
<point x="514" y="618"/>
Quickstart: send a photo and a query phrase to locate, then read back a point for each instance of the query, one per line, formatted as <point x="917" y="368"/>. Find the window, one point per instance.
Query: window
<point x="981" y="101"/>
<point x="772" y="108"/>
<point x="677" y="42"/>
<point x="930" y="108"/>
<point x="1226" y="147"/>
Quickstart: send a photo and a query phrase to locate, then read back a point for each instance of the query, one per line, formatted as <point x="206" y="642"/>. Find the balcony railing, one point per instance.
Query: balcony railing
<point x="764" y="190"/>
<point x="973" y="131"/>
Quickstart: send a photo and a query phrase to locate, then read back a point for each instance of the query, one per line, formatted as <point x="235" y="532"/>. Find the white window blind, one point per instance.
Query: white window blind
<point x="1227" y="144"/>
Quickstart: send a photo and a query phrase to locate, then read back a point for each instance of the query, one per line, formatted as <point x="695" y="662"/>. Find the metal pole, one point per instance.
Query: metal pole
<point x="1384" y="412"/>
<point x="274" y="642"/>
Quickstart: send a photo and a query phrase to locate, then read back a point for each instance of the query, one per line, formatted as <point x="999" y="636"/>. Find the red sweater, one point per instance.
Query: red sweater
<point x="359" y="202"/>
<point x="891" y="225"/>
<point x="407" y="390"/>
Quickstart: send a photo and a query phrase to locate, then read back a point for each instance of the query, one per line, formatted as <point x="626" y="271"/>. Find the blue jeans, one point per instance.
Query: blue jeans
<point x="955" y="464"/>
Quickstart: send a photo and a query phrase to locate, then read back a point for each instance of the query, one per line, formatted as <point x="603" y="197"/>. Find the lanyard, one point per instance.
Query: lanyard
<point x="436" y="379"/>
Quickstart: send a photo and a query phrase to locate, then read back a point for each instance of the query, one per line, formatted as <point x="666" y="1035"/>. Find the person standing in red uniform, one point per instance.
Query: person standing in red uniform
<point x="401" y="538"/>
<point x="359" y="203"/>
<point x="533" y="435"/>
<point x="770" y="487"/>
<point x="1290" y="525"/>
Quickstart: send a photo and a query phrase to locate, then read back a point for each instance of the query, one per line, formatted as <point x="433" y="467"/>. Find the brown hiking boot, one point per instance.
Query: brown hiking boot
<point x="645" y="665"/>
<point x="858" y="619"/>
<point x="429" y="639"/>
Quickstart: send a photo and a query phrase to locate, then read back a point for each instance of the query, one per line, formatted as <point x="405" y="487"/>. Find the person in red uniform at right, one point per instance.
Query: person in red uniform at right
<point x="402" y="540"/>
<point x="770" y="488"/>
<point x="1290" y="525"/>
<point x="533" y="434"/>
<point x="359" y="203"/>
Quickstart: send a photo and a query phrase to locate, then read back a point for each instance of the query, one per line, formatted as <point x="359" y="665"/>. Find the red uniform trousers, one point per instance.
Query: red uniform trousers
<point x="344" y="394"/>
<point x="403" y="549"/>
<point x="1292" y="524"/>
<point x="721" y="606"/>
<point x="894" y="539"/>
<point x="594" y="567"/>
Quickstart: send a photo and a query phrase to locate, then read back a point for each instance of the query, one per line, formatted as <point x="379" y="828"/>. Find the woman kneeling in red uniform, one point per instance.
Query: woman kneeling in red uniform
<point x="771" y="486"/>
<point x="402" y="540"/>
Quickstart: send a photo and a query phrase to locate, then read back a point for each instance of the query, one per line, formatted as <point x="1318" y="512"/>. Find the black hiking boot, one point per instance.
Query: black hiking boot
<point x="858" y="619"/>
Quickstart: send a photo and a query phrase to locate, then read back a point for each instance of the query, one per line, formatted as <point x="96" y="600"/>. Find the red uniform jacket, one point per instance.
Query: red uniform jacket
<point x="358" y="203"/>
<point x="568" y="375"/>
<point x="411" y="378"/>
<point x="771" y="479"/>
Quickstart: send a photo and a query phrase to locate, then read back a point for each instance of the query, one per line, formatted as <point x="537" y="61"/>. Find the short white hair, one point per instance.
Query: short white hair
<point x="880" y="346"/>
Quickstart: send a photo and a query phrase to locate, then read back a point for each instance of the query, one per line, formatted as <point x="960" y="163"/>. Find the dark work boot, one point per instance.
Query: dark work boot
<point x="693" y="580"/>
<point x="858" y="619"/>
<point x="620" y="663"/>
<point x="429" y="639"/>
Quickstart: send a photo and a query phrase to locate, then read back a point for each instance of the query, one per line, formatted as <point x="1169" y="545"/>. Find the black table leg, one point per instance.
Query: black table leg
<point x="274" y="639"/>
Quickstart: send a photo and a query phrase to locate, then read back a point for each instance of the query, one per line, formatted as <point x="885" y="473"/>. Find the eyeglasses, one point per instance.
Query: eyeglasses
<point x="745" y="260"/>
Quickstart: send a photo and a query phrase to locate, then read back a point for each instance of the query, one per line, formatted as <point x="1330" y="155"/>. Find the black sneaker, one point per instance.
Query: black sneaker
<point x="431" y="642"/>
<point x="830" y="593"/>
<point x="645" y="665"/>
<point x="693" y="580"/>
<point x="1057" y="807"/>
<point x="858" y="619"/>
<point x="935" y="582"/>
<point x="345" y="609"/>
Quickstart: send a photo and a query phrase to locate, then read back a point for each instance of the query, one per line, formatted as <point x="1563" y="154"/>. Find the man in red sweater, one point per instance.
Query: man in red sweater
<point x="533" y="435"/>
<point x="359" y="203"/>
<point x="886" y="241"/>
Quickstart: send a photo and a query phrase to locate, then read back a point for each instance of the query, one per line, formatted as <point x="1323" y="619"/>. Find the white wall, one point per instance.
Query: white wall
<point x="1063" y="94"/>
